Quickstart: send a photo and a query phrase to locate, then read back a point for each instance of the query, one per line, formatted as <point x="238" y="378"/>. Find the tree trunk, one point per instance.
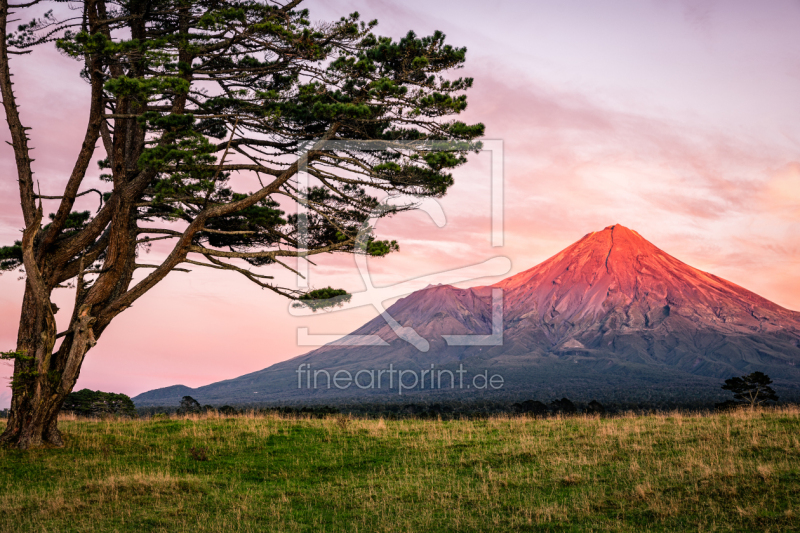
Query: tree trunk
<point x="32" y="425"/>
<point x="42" y="377"/>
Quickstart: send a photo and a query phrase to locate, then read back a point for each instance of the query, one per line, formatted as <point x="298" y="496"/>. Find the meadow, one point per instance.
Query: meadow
<point x="736" y="471"/>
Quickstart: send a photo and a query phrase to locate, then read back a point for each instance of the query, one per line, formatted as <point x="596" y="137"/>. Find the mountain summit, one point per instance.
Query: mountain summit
<point x="610" y="314"/>
<point x="614" y="280"/>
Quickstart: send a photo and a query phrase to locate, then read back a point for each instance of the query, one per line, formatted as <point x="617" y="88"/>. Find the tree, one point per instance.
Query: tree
<point x="595" y="408"/>
<point x="228" y="410"/>
<point x="189" y="406"/>
<point x="753" y="389"/>
<point x="564" y="405"/>
<point x="183" y="94"/>
<point x="532" y="406"/>
<point x="97" y="403"/>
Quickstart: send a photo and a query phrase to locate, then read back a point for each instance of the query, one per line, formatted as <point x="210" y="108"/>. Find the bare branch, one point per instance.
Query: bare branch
<point x="149" y="239"/>
<point x="270" y="254"/>
<point x="159" y="230"/>
<point x="29" y="4"/>
<point x="249" y="275"/>
<point x="18" y="136"/>
<point x="137" y="265"/>
<point x="76" y="196"/>
<point x="219" y="265"/>
<point x="220" y="232"/>
<point x="87" y="148"/>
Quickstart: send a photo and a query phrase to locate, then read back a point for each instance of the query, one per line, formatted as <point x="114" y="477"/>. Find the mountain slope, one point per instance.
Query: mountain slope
<point x="618" y="274"/>
<point x="611" y="312"/>
<point x="615" y="291"/>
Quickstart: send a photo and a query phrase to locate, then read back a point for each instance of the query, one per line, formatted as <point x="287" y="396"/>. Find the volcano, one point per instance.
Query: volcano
<point x="612" y="316"/>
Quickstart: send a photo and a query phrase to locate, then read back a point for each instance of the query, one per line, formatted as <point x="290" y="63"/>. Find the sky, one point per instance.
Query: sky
<point x="678" y="119"/>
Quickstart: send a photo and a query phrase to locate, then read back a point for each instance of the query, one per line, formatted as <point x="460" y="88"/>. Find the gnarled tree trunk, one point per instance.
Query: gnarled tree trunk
<point x="43" y="377"/>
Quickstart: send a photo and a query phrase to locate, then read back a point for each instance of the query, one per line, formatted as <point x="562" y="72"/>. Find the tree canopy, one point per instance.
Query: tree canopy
<point x="753" y="389"/>
<point x="189" y="405"/>
<point x="87" y="402"/>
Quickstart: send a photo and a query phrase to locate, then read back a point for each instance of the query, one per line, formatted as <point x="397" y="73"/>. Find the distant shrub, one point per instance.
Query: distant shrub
<point x="97" y="403"/>
<point x="227" y="410"/>
<point x="595" y="408"/>
<point x="531" y="407"/>
<point x="189" y="406"/>
<point x="564" y="405"/>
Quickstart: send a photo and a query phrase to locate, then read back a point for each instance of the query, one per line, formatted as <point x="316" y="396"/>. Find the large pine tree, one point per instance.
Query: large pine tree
<point x="182" y="94"/>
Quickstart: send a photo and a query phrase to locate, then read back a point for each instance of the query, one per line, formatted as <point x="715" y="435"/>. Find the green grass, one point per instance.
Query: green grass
<point x="727" y="472"/>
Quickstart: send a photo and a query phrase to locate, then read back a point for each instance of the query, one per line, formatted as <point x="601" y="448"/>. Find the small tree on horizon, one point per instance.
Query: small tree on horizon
<point x="207" y="111"/>
<point x="189" y="405"/>
<point x="753" y="389"/>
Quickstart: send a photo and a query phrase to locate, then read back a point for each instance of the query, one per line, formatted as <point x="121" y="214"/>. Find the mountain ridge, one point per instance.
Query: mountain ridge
<point x="610" y="302"/>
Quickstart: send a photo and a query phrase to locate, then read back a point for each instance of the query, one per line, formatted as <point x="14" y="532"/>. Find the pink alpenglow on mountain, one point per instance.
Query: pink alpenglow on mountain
<point x="615" y="280"/>
<point x="611" y="316"/>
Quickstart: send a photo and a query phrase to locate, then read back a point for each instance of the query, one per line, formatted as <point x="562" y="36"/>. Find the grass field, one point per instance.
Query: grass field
<point x="675" y="472"/>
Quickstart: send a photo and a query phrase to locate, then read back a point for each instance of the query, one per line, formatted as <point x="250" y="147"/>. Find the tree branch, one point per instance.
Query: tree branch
<point x="76" y="196"/>
<point x="137" y="265"/>
<point x="220" y="232"/>
<point x="221" y="162"/>
<point x="18" y="136"/>
<point x="219" y="265"/>
<point x="87" y="148"/>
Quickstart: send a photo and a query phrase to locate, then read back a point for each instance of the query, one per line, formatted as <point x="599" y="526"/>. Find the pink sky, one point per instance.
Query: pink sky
<point x="678" y="119"/>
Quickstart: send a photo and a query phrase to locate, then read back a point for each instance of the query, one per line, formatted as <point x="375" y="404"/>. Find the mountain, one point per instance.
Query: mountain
<point x="611" y="316"/>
